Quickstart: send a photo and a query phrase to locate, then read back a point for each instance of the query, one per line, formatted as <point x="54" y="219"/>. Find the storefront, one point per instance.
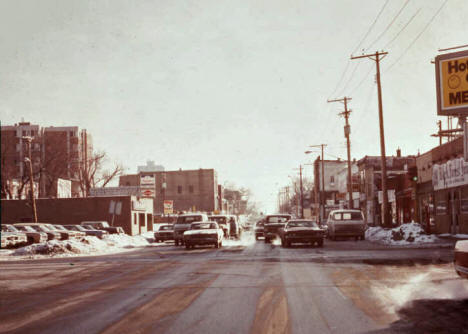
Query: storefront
<point x="450" y="182"/>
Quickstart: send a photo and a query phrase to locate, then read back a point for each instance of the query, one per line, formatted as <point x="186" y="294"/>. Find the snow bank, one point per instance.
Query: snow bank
<point x="88" y="245"/>
<point x="406" y="234"/>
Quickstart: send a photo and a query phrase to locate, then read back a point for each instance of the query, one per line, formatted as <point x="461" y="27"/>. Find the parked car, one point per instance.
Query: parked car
<point x="204" y="233"/>
<point x="461" y="258"/>
<point x="71" y="234"/>
<point x="32" y="235"/>
<point x="273" y="225"/>
<point x="164" y="233"/>
<point x="12" y="238"/>
<point x="103" y="225"/>
<point x="259" y="228"/>
<point x="222" y="221"/>
<point x="183" y="224"/>
<point x="42" y="227"/>
<point x="302" y="231"/>
<point x="235" y="230"/>
<point x="87" y="230"/>
<point x="346" y="223"/>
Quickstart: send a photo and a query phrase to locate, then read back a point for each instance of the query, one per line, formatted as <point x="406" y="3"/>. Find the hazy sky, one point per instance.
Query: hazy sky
<point x="239" y="86"/>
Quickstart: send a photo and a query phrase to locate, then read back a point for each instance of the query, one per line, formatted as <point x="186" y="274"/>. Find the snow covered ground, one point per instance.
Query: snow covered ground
<point x="89" y="245"/>
<point x="406" y="234"/>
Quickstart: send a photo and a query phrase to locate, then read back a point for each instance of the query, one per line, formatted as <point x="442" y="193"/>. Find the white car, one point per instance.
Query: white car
<point x="204" y="233"/>
<point x="346" y="223"/>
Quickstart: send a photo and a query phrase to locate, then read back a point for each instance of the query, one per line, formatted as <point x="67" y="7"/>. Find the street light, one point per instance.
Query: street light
<point x="28" y="160"/>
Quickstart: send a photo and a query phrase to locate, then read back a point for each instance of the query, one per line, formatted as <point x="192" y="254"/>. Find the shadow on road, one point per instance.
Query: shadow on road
<point x="431" y="316"/>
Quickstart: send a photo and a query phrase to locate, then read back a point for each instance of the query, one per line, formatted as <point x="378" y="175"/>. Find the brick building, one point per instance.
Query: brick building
<point x="57" y="153"/>
<point x="190" y="190"/>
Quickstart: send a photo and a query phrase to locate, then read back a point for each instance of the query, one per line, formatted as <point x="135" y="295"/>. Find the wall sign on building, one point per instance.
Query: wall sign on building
<point x="451" y="174"/>
<point x="147" y="181"/>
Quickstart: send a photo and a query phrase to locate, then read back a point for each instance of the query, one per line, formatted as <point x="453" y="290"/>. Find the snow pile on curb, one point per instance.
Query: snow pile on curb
<point x="406" y="234"/>
<point x="113" y="243"/>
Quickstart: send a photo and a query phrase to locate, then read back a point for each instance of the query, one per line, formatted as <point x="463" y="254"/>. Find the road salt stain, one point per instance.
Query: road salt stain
<point x="67" y="303"/>
<point x="171" y="301"/>
<point x="272" y="315"/>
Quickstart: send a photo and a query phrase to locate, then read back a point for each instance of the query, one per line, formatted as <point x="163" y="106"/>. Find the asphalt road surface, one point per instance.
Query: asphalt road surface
<point x="244" y="287"/>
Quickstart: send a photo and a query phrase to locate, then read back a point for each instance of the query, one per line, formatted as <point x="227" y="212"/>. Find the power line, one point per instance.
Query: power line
<point x="342" y="91"/>
<point x="371" y="26"/>
<point x="419" y="35"/>
<point x="403" y="28"/>
<point x="362" y="81"/>
<point x="341" y="78"/>
<point x="389" y="25"/>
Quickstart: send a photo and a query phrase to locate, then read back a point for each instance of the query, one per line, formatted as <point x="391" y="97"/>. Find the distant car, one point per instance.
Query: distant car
<point x="64" y="233"/>
<point x="87" y="230"/>
<point x="461" y="258"/>
<point x="103" y="225"/>
<point x="302" y="231"/>
<point x="164" y="233"/>
<point x="274" y="224"/>
<point x="259" y="229"/>
<point x="204" y="233"/>
<point x="32" y="235"/>
<point x="42" y="227"/>
<point x="12" y="238"/>
<point x="346" y="223"/>
<point x="182" y="224"/>
<point x="222" y="221"/>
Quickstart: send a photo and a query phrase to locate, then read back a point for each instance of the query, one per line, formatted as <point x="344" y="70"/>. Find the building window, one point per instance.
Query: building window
<point x="179" y="189"/>
<point x="25" y="133"/>
<point x="142" y="219"/>
<point x="135" y="219"/>
<point x="332" y="179"/>
<point x="190" y="189"/>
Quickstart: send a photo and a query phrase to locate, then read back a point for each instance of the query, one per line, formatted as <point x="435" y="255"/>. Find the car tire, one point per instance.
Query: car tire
<point x="363" y="237"/>
<point x="320" y="243"/>
<point x="177" y="242"/>
<point x="187" y="246"/>
<point x="283" y="244"/>
<point x="267" y="240"/>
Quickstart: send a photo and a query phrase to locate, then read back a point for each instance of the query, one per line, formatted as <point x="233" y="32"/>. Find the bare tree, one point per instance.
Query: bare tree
<point x="94" y="174"/>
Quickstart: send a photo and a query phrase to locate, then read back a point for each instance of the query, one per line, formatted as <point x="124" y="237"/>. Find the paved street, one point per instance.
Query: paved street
<point x="244" y="287"/>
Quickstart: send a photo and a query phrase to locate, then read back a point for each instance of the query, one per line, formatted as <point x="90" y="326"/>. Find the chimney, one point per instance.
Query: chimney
<point x="398" y="152"/>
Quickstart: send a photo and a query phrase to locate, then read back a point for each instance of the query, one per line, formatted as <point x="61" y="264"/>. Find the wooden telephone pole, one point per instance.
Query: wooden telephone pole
<point x="377" y="57"/>
<point x="347" y="131"/>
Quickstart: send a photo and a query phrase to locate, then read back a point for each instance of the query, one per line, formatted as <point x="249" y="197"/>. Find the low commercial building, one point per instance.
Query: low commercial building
<point x="133" y="214"/>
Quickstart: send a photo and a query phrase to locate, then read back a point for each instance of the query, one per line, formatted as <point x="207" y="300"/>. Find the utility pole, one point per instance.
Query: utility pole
<point x="322" y="192"/>
<point x="302" y="192"/>
<point x="31" y="181"/>
<point x="439" y="123"/>
<point x="385" y="206"/>
<point x="347" y="131"/>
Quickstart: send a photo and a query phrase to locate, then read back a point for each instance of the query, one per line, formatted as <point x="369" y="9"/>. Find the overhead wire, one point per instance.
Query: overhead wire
<point x="389" y="25"/>
<point x="402" y="29"/>
<point x="371" y="26"/>
<point x="419" y="35"/>
<point x="357" y="47"/>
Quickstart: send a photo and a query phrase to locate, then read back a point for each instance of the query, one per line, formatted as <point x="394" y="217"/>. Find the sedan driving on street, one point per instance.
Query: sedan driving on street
<point x="259" y="229"/>
<point x="164" y="233"/>
<point x="273" y="225"/>
<point x="302" y="231"/>
<point x="204" y="233"/>
<point x="346" y="223"/>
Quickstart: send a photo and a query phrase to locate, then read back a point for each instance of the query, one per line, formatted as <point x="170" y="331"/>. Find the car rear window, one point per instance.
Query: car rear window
<point x="188" y="219"/>
<point x="302" y="224"/>
<point x="352" y="215"/>
<point x="276" y="219"/>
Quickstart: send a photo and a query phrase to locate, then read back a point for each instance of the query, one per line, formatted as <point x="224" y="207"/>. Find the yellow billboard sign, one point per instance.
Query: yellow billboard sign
<point x="452" y="84"/>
